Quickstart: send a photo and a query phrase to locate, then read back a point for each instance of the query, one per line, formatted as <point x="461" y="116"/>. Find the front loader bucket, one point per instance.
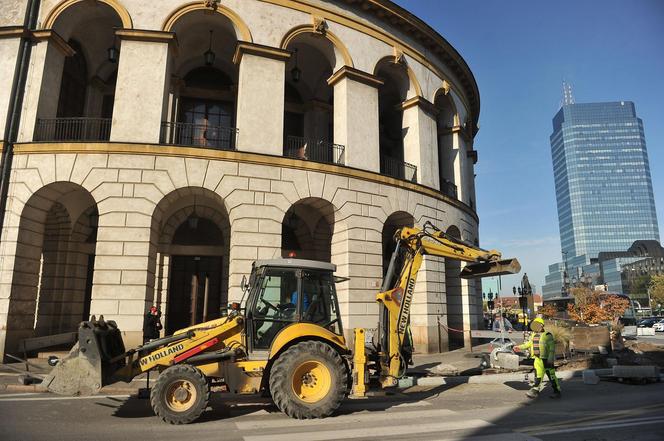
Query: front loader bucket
<point x="91" y="362"/>
<point x="491" y="269"/>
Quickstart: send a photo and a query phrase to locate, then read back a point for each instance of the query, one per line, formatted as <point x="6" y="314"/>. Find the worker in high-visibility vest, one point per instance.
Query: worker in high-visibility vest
<point x="542" y="347"/>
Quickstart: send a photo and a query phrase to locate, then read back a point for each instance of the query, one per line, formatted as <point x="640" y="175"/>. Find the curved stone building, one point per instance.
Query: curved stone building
<point x="164" y="146"/>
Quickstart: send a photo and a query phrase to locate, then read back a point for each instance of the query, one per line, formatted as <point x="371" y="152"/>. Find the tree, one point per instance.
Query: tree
<point x="597" y="307"/>
<point x="548" y="310"/>
<point x="656" y="291"/>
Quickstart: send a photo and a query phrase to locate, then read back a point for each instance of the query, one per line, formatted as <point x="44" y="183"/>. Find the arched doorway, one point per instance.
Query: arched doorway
<point x="393" y="223"/>
<point x="52" y="278"/>
<point x="203" y="113"/>
<point x="390" y="118"/>
<point x="192" y="258"/>
<point x="83" y="108"/>
<point x="308" y="108"/>
<point x="445" y="122"/>
<point x="454" y="297"/>
<point x="306" y="231"/>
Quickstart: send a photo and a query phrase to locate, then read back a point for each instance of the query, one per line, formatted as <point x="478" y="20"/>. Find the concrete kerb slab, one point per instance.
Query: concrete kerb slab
<point x="487" y="379"/>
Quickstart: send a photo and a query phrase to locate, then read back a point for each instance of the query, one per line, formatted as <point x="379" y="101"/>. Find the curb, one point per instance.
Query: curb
<point x="486" y="379"/>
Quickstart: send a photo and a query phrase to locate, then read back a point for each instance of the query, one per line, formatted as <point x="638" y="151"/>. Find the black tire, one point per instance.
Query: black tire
<point x="193" y="390"/>
<point x="283" y="380"/>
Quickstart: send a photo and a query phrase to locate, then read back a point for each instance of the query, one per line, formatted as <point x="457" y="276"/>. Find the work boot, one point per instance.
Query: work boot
<point x="533" y="393"/>
<point x="555" y="395"/>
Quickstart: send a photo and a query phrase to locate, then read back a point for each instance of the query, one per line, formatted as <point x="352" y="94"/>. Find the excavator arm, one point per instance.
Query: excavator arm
<point x="397" y="291"/>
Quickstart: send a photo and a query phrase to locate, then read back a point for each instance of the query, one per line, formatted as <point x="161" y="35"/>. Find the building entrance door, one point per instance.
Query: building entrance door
<point x="194" y="291"/>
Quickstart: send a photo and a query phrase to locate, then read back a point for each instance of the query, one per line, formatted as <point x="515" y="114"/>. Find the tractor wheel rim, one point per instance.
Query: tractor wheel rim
<point x="181" y="395"/>
<point x="311" y="381"/>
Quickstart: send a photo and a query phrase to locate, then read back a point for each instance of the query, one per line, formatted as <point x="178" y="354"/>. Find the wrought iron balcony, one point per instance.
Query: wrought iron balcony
<point x="449" y="189"/>
<point x="314" y="150"/>
<point x="198" y="135"/>
<point x="398" y="169"/>
<point x="73" y="129"/>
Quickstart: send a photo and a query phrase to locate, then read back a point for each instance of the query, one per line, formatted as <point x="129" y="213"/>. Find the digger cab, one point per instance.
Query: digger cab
<point x="284" y="292"/>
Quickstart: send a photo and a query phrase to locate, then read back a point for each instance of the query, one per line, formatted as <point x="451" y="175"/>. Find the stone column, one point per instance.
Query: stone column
<point x="420" y="147"/>
<point x="260" y="98"/>
<point x="428" y="312"/>
<point x="9" y="44"/>
<point x="356" y="117"/>
<point x="42" y="90"/>
<point x="141" y="93"/>
<point x="357" y="252"/>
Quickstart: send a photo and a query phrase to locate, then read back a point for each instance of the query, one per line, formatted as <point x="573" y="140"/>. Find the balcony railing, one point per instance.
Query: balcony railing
<point x="314" y="150"/>
<point x="198" y="135"/>
<point x="73" y="129"/>
<point x="448" y="188"/>
<point x="398" y="169"/>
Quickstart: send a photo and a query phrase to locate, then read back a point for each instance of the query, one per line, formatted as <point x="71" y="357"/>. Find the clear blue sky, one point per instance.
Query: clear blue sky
<point x="519" y="51"/>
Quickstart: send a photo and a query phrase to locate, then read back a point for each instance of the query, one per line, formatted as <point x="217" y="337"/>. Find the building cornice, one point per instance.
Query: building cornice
<point x="12" y="32"/>
<point x="424" y="104"/>
<point x="146" y="35"/>
<point x="55" y="38"/>
<point x="244" y="47"/>
<point x="355" y="75"/>
<point x="235" y="156"/>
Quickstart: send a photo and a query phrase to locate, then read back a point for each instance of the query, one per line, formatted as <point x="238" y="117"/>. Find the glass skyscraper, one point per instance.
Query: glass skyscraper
<point x="602" y="178"/>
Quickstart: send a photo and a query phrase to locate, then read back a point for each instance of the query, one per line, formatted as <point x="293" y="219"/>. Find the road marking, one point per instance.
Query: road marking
<point x="599" y="417"/>
<point x="342" y="419"/>
<point x="509" y="436"/>
<point x="601" y="425"/>
<point x="49" y="398"/>
<point x="372" y="432"/>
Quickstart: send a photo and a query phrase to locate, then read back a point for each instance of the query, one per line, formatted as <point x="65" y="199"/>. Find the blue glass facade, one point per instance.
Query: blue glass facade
<point x="602" y="178"/>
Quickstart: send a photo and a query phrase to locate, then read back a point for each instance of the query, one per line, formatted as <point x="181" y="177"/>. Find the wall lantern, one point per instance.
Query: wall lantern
<point x="112" y="52"/>
<point x="209" y="55"/>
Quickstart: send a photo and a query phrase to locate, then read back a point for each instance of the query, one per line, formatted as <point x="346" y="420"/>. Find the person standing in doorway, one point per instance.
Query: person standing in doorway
<point x="152" y="324"/>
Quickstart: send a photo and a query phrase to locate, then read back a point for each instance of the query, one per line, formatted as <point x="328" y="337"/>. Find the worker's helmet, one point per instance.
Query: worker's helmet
<point x="537" y="324"/>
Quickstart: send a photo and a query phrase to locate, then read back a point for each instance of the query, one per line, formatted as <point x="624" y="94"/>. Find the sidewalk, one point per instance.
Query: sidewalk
<point x="459" y="362"/>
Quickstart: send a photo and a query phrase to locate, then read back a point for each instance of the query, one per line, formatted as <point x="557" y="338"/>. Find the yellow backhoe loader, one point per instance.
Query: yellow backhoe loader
<point x="287" y="340"/>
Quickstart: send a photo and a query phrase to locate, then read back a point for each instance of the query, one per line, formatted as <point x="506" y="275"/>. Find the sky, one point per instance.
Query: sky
<point x="520" y="51"/>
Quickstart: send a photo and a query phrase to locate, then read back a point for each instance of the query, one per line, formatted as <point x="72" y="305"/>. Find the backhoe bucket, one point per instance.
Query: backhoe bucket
<point x="491" y="269"/>
<point x="91" y="362"/>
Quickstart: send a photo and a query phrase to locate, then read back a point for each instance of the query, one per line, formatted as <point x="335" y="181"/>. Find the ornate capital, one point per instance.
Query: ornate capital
<point x="211" y="4"/>
<point x="399" y="56"/>
<point x="320" y="25"/>
<point x="446" y="87"/>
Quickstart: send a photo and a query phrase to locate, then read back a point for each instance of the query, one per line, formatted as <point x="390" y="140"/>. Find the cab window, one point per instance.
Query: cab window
<point x="319" y="300"/>
<point x="275" y="307"/>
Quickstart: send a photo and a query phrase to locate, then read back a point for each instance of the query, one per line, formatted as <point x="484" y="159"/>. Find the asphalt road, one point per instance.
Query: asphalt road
<point x="608" y="411"/>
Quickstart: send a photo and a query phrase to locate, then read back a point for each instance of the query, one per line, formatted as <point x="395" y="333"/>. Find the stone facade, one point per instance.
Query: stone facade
<point x="112" y="223"/>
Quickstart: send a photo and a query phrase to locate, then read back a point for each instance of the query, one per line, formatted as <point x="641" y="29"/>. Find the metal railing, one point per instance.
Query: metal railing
<point x="449" y="189"/>
<point x="398" y="169"/>
<point x="73" y="129"/>
<point x="198" y="135"/>
<point x="314" y="150"/>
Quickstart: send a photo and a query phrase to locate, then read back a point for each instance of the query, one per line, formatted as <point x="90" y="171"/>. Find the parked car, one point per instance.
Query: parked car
<point x="659" y="326"/>
<point x="647" y="322"/>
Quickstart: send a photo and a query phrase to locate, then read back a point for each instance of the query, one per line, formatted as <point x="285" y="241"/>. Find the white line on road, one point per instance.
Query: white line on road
<point x="343" y="419"/>
<point x="47" y="398"/>
<point x="601" y="425"/>
<point x="510" y="436"/>
<point x="372" y="432"/>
